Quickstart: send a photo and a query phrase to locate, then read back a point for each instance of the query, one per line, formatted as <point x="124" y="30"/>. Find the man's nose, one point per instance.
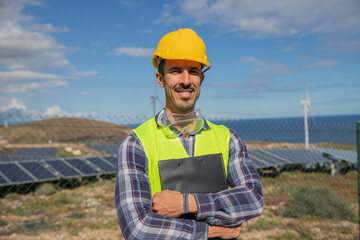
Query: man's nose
<point x="185" y="77"/>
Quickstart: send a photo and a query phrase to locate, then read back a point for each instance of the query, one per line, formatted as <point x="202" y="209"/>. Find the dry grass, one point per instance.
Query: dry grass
<point x="88" y="211"/>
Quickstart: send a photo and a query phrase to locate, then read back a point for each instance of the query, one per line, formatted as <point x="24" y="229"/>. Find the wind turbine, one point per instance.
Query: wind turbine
<point x="154" y="99"/>
<point x="307" y="109"/>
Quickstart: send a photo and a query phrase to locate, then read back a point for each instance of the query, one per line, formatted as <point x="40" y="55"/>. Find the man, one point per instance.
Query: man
<point x="145" y="210"/>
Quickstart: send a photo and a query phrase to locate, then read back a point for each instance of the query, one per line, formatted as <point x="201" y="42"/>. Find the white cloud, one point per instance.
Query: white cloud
<point x="133" y="51"/>
<point x="23" y="50"/>
<point x="13" y="82"/>
<point x="23" y="45"/>
<point x="166" y="16"/>
<point x="10" y="103"/>
<point x="265" y="74"/>
<point x="267" y="68"/>
<point x="26" y="50"/>
<point x="15" y="87"/>
<point x="14" y="108"/>
<point x="263" y="18"/>
<point x="26" y="75"/>
<point x="54" y="110"/>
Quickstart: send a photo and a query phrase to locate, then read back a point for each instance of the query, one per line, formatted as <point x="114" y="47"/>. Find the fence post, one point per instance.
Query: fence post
<point x="358" y="161"/>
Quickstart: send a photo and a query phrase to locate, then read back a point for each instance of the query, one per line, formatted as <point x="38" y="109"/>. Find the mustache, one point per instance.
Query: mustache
<point x="179" y="88"/>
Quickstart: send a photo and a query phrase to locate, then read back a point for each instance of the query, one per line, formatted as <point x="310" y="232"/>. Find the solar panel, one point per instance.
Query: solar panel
<point x="4" y="157"/>
<point x="102" y="164"/>
<point x="111" y="149"/>
<point x="38" y="171"/>
<point x="258" y="163"/>
<point x="36" y="152"/>
<point x="299" y="155"/>
<point x="111" y="159"/>
<point x="345" y="155"/>
<point x="267" y="158"/>
<point x="82" y="166"/>
<point x="64" y="169"/>
<point x="15" y="173"/>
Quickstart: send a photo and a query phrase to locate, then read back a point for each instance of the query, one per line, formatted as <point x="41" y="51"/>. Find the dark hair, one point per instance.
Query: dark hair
<point x="161" y="67"/>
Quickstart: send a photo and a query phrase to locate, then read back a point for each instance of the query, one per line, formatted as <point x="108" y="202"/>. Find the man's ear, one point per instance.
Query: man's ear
<point x="202" y="78"/>
<point x="160" y="79"/>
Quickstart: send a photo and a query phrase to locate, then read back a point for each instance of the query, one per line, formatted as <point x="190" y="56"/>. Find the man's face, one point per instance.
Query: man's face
<point x="182" y="80"/>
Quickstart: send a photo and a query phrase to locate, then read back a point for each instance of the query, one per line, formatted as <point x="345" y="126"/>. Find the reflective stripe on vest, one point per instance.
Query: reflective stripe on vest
<point x="157" y="147"/>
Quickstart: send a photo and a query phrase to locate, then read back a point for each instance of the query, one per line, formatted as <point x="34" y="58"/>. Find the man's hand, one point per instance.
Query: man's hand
<point x="224" y="232"/>
<point x="168" y="203"/>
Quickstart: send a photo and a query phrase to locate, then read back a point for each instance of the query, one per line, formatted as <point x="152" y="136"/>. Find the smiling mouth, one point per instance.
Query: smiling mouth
<point x="184" y="90"/>
<point x="184" y="93"/>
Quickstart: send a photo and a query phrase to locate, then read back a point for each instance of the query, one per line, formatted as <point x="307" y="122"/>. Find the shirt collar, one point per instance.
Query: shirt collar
<point x="161" y="117"/>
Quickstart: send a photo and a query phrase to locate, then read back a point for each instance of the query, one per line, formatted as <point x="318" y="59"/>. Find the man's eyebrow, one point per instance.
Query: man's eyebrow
<point x="179" y="68"/>
<point x="174" y="68"/>
<point x="195" y="68"/>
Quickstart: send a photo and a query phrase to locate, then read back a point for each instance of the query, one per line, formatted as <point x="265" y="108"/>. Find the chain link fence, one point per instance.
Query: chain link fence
<point x="57" y="177"/>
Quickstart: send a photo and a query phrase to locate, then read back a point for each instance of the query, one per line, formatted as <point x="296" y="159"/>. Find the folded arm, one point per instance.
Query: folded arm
<point x="243" y="201"/>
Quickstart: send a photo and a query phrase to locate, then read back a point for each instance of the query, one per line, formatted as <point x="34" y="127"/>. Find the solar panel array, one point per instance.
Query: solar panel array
<point x="264" y="158"/>
<point x="32" y="171"/>
<point x="50" y="169"/>
<point x="25" y="154"/>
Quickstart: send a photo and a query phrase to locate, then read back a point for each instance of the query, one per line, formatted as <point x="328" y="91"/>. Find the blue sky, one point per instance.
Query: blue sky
<point x="89" y="57"/>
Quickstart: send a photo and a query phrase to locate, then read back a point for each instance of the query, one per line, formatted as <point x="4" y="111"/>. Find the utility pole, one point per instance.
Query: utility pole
<point x="306" y="126"/>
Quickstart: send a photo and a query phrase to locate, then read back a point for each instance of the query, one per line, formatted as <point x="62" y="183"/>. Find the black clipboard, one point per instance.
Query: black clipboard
<point x="202" y="174"/>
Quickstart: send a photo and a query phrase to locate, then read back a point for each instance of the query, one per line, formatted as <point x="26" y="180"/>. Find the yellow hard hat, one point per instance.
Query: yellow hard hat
<point x="181" y="44"/>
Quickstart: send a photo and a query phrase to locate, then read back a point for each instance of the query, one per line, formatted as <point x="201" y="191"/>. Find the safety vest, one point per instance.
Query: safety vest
<point x="158" y="147"/>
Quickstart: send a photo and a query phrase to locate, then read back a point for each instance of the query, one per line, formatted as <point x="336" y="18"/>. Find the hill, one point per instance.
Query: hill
<point x="65" y="130"/>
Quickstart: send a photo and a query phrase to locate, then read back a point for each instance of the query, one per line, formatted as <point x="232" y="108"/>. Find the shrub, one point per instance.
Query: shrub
<point x="46" y="189"/>
<point x="319" y="202"/>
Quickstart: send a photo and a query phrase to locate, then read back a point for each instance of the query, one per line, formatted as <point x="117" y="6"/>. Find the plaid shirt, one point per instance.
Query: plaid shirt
<point x="243" y="201"/>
